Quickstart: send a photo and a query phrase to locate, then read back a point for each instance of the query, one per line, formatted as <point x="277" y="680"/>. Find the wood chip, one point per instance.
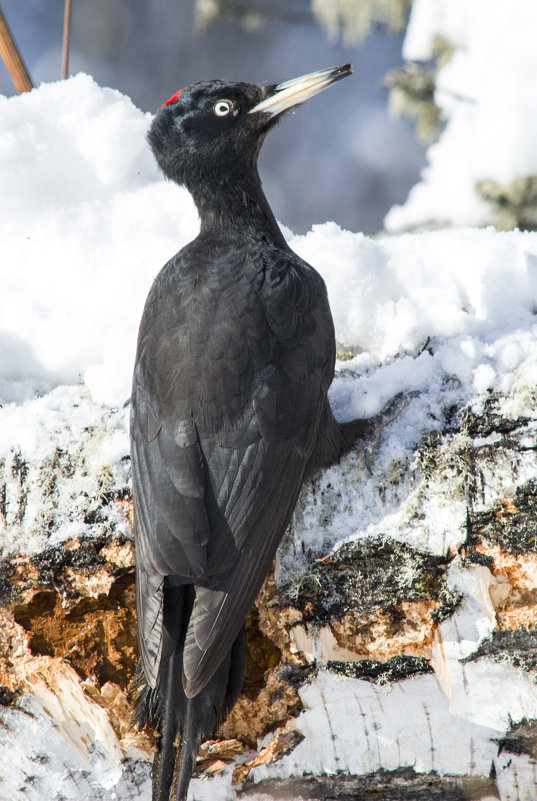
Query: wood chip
<point x="284" y="742"/>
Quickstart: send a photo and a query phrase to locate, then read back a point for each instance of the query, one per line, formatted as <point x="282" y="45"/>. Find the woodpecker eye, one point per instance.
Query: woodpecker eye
<point x="222" y="107"/>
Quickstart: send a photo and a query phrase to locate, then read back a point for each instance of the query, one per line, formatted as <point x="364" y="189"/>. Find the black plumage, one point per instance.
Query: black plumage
<point x="235" y="356"/>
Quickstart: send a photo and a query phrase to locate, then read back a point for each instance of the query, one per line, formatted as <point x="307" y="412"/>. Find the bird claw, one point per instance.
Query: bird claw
<point x="367" y="460"/>
<point x="362" y="428"/>
<point x="393" y="408"/>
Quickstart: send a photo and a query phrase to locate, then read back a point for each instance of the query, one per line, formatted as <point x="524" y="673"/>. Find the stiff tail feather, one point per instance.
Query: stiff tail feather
<point x="184" y="723"/>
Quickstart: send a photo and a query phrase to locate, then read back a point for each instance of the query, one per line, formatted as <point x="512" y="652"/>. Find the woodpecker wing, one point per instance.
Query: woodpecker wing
<point x="213" y="501"/>
<point x="172" y="528"/>
<point x="288" y="400"/>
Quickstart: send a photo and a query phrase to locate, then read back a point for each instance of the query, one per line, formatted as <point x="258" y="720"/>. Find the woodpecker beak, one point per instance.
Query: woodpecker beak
<point x="285" y="95"/>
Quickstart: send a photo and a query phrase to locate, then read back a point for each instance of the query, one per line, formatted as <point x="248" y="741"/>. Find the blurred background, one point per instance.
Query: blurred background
<point x="343" y="157"/>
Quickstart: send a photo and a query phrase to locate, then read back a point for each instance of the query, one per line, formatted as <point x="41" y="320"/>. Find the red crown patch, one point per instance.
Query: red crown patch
<point x="173" y="99"/>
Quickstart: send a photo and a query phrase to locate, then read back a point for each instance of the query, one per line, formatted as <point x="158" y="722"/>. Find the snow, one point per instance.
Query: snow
<point x="63" y="433"/>
<point x="85" y="221"/>
<point x="485" y="93"/>
<point x="444" y="317"/>
<point x="39" y="762"/>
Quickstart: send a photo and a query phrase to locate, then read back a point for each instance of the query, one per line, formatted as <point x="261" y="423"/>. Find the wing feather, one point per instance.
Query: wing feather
<point x="212" y="629"/>
<point x="215" y="488"/>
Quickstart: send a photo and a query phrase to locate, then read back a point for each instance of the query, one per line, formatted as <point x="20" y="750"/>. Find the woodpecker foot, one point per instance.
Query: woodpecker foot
<point x="357" y="430"/>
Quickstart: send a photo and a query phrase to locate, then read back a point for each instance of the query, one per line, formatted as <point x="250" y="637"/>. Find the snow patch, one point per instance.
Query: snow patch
<point x="485" y="94"/>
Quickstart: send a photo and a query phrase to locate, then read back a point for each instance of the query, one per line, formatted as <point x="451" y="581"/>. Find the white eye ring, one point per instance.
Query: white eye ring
<point x="222" y="107"/>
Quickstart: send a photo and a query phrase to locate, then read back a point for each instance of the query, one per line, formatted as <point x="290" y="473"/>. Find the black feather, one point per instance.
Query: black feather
<point x="235" y="355"/>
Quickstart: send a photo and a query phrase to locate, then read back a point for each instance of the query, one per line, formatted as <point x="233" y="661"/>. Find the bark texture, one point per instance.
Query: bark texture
<point x="373" y="668"/>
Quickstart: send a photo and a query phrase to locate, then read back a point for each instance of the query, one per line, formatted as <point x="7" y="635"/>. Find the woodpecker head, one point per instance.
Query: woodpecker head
<point x="216" y="128"/>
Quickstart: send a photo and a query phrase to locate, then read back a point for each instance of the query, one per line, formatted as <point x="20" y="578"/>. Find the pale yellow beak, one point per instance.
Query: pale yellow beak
<point x="285" y="95"/>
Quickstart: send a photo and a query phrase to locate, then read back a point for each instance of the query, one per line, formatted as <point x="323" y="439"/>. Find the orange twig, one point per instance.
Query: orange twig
<point x="12" y="58"/>
<point x="66" y="38"/>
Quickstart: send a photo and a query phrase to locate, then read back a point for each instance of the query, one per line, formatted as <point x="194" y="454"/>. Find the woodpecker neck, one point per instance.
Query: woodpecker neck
<point x="235" y="203"/>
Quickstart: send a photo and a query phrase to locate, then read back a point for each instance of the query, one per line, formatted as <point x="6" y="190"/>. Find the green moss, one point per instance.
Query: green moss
<point x="19" y="471"/>
<point x="402" y="784"/>
<point x="447" y="602"/>
<point x="521" y="739"/>
<point x="53" y="565"/>
<point x="395" y="669"/>
<point x="515" y="203"/>
<point x="517" y="648"/>
<point x="9" y="697"/>
<point x="354" y="19"/>
<point x="490" y="420"/>
<point x="514" y="529"/>
<point x="363" y="576"/>
<point x="412" y="94"/>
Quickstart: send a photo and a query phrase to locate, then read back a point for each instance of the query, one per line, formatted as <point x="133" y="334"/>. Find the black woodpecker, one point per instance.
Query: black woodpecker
<point x="229" y="411"/>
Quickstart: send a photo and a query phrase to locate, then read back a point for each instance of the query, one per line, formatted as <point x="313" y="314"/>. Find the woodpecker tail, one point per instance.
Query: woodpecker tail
<point x="184" y="723"/>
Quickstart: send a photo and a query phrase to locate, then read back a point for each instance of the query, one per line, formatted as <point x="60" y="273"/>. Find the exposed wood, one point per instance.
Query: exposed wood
<point x="13" y="59"/>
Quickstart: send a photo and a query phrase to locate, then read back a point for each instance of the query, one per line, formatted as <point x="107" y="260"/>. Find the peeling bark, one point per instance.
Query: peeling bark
<point x="375" y="612"/>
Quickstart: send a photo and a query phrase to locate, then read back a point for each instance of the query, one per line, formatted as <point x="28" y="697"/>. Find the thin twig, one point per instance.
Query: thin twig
<point x="66" y="38"/>
<point x="13" y="59"/>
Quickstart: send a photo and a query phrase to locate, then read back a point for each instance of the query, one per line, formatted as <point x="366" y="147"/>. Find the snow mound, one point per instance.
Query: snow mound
<point x="424" y="311"/>
<point x="485" y="93"/>
<point x="85" y="223"/>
